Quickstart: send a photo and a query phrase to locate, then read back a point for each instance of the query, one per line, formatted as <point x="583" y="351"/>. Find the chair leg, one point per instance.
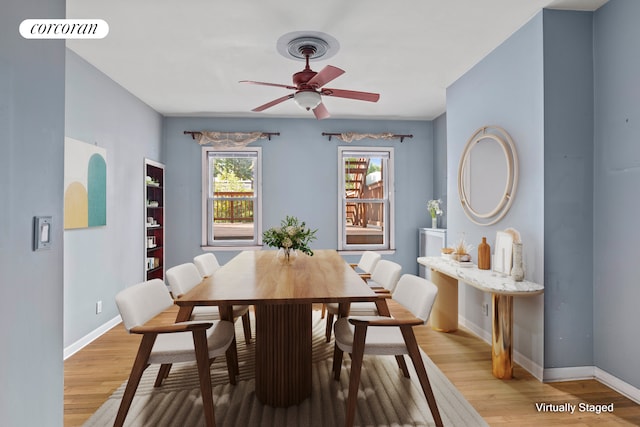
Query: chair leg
<point x="232" y="362"/>
<point x="337" y="362"/>
<point x="138" y="368"/>
<point x="402" y="365"/>
<point x="357" y="355"/>
<point x="329" y="327"/>
<point x="202" y="358"/>
<point x="162" y="374"/>
<point x="323" y="311"/>
<point x="416" y="357"/>
<point x="246" y="324"/>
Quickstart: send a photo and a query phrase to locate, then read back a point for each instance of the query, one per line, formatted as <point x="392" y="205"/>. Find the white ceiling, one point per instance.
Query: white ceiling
<point x="186" y="57"/>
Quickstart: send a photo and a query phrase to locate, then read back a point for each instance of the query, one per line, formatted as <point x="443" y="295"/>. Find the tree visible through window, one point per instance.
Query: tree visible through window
<point x="232" y="197"/>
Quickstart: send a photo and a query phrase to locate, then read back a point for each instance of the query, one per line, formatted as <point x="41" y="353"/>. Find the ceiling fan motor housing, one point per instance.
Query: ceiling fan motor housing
<point x="301" y="78"/>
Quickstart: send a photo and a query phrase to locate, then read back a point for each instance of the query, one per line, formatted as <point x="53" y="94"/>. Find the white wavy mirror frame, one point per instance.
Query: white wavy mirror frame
<point x="488" y="175"/>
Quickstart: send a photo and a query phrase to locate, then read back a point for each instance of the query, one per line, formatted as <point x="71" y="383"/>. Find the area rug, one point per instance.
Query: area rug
<point x="385" y="398"/>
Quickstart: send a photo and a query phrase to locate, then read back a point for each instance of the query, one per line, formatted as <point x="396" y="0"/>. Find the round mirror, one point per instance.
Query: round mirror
<point x="488" y="175"/>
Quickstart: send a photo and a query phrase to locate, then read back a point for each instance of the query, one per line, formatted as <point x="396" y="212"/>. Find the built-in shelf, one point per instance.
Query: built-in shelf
<point x="154" y="266"/>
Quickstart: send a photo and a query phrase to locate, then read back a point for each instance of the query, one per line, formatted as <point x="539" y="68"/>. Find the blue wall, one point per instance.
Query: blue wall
<point x="31" y="183"/>
<point x="100" y="261"/>
<point x="505" y="89"/>
<point x="617" y="195"/>
<point x="300" y="177"/>
<point x="568" y="188"/>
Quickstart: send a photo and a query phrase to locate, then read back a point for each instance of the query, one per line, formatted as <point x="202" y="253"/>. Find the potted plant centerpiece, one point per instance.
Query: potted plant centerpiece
<point x="292" y="235"/>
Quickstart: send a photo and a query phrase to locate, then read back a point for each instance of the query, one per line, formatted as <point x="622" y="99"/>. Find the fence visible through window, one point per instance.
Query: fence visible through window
<point x="233" y="215"/>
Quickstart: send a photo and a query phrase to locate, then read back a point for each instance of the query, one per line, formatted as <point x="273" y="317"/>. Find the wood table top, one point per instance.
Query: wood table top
<point x="258" y="277"/>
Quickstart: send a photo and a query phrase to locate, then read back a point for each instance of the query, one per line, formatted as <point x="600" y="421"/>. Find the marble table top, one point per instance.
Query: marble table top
<point x="485" y="280"/>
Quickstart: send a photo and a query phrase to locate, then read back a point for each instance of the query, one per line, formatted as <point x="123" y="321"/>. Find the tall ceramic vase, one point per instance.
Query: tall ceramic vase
<point x="517" y="271"/>
<point x="484" y="255"/>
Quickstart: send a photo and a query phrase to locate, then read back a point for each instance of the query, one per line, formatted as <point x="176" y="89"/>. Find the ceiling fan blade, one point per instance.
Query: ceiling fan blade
<point x="352" y="94"/>
<point x="267" y="84"/>
<point x="272" y="103"/>
<point x="321" y="112"/>
<point x="325" y="75"/>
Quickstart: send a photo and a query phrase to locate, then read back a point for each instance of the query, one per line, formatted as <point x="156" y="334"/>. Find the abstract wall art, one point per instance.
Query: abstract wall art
<point x="85" y="185"/>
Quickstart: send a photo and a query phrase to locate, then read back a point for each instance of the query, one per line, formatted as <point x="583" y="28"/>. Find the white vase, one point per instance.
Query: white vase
<point x="517" y="271"/>
<point x="434" y="222"/>
<point x="286" y="255"/>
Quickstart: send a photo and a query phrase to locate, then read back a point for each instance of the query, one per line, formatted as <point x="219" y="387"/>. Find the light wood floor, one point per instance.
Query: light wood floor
<point x="92" y="374"/>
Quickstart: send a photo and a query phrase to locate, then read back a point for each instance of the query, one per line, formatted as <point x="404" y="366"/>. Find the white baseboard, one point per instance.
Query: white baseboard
<point x="480" y="332"/>
<point x="529" y="365"/>
<point x="592" y="373"/>
<point x="87" y="339"/>
<point x="574" y="373"/>
<point x="618" y="385"/>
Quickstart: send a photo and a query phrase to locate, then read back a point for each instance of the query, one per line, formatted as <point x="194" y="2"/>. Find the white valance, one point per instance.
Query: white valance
<point x="354" y="136"/>
<point x="228" y="139"/>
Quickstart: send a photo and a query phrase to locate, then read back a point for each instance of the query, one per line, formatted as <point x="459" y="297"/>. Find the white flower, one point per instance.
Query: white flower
<point x="291" y="230"/>
<point x="434" y="207"/>
<point x="286" y="242"/>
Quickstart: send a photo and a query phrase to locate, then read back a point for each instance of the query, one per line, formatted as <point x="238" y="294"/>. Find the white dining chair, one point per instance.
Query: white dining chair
<point x="207" y="264"/>
<point x="364" y="267"/>
<point x="184" y="277"/>
<point x="367" y="264"/>
<point x="380" y="335"/>
<point x="384" y="279"/>
<point x="172" y="343"/>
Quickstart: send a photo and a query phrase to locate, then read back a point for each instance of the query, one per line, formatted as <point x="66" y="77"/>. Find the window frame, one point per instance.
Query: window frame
<point x="207" y="227"/>
<point x="389" y="202"/>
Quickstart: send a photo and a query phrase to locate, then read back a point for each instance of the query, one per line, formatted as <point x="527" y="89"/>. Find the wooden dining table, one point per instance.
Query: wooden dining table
<point x="283" y="295"/>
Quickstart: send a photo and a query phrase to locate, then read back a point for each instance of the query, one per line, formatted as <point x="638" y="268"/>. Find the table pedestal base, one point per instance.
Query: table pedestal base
<point x="283" y="353"/>
<point x="501" y="350"/>
<point x="444" y="314"/>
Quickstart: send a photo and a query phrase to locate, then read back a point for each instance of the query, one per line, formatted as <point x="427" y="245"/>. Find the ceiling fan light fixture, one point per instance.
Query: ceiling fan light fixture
<point x="307" y="100"/>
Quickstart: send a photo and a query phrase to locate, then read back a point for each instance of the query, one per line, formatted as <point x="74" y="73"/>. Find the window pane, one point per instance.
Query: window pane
<point x="232" y="193"/>
<point x="365" y="223"/>
<point x="363" y="177"/>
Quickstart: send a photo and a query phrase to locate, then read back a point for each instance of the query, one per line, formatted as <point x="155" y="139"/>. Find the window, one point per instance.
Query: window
<point x="365" y="198"/>
<point x="231" y="197"/>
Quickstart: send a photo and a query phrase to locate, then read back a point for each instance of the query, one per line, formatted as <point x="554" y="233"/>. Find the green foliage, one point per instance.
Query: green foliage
<point x="292" y="234"/>
<point x="232" y="174"/>
<point x="228" y="181"/>
<point x="240" y="167"/>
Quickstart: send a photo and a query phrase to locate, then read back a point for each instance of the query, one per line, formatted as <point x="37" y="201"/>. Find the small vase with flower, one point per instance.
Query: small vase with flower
<point x="434" y="210"/>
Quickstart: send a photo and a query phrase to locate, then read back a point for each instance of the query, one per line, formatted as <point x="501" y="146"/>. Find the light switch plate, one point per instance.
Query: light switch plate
<point x="41" y="232"/>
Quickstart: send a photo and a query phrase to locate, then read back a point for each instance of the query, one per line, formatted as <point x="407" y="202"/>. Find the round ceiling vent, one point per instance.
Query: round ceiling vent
<point x="298" y="44"/>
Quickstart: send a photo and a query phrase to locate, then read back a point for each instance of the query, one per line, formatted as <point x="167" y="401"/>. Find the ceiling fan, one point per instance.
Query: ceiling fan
<point x="309" y="87"/>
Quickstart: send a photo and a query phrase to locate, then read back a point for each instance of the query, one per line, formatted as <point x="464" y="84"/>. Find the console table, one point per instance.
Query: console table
<point x="445" y="274"/>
